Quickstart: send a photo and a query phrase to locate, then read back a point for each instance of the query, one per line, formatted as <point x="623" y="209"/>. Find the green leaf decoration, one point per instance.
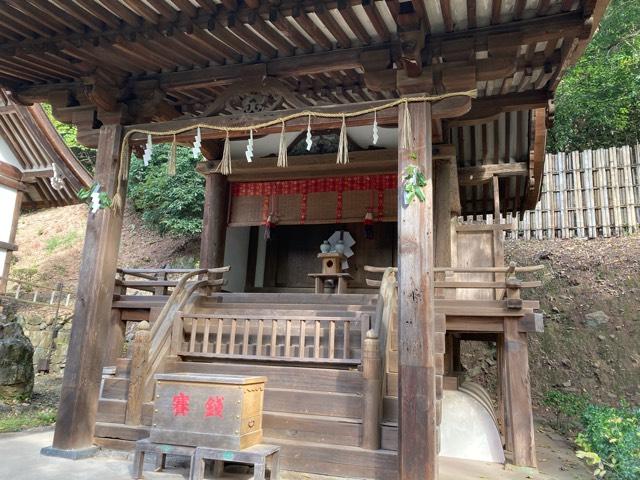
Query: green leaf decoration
<point x="413" y="181"/>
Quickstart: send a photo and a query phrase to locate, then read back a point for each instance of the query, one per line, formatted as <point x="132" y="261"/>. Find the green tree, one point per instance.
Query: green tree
<point x="168" y="204"/>
<point x="598" y="101"/>
<point x="69" y="134"/>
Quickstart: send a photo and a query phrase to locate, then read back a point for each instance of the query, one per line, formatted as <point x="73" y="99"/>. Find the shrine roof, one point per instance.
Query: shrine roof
<point x="33" y="147"/>
<point x="163" y="59"/>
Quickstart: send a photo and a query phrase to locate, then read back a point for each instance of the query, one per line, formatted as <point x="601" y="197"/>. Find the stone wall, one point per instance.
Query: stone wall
<point x="39" y="326"/>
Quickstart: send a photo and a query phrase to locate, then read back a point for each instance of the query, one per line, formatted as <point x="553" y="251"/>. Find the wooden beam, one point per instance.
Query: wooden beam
<point x="367" y="162"/>
<point x="484" y="173"/>
<point x="10" y="245"/>
<point x="536" y="159"/>
<point x="81" y="385"/>
<point x="457" y="75"/>
<point x="30" y="176"/>
<point x="417" y="425"/>
<point x="486" y="109"/>
<point x="222" y="75"/>
<point x="445" y="108"/>
<point x="444" y="185"/>
<point x="593" y="12"/>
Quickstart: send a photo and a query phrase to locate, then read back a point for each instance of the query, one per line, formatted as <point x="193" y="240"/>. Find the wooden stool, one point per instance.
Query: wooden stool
<point x="320" y="278"/>
<point x="161" y="451"/>
<point x="257" y="455"/>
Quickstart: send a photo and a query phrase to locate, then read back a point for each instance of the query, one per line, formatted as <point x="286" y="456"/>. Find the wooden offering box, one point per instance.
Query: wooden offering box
<point x="216" y="411"/>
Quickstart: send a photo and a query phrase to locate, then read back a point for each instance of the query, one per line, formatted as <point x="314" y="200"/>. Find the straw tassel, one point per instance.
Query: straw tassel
<point x="282" y="151"/>
<point x="171" y="166"/>
<point x="343" y="145"/>
<point x="125" y="160"/>
<point x="407" y="135"/>
<point x="225" y="164"/>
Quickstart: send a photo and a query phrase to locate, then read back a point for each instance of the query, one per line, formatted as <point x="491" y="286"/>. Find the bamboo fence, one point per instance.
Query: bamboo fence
<point x="595" y="193"/>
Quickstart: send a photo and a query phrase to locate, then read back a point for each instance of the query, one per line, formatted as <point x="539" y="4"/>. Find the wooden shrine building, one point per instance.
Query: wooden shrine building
<point x="33" y="161"/>
<point x="458" y="95"/>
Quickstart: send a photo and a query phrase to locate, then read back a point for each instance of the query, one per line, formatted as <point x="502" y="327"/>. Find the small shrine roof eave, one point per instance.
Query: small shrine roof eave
<point x="34" y="146"/>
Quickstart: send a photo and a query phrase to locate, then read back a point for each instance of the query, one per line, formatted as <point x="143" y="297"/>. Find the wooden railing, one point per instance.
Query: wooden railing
<point x="160" y="343"/>
<point x="152" y="281"/>
<point x="39" y="295"/>
<point x="506" y="288"/>
<point x="309" y="339"/>
<point x="375" y="352"/>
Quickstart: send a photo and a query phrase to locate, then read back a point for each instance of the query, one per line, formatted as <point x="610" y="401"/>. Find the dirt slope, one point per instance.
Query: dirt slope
<point x="50" y="246"/>
<point x="590" y="296"/>
<point x="591" y="300"/>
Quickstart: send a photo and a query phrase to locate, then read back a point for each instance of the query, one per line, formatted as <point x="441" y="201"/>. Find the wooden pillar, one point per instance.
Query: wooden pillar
<point x="372" y="395"/>
<point x="517" y="397"/>
<point x="10" y="180"/>
<point x="214" y="221"/>
<point x="446" y="202"/>
<point x="495" y="182"/>
<point x="417" y="442"/>
<point x="81" y="385"/>
<point x="501" y="389"/>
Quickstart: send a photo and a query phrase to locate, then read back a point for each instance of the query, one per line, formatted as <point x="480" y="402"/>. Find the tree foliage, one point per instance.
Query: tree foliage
<point x="69" y="134"/>
<point x="598" y="101"/>
<point x="168" y="204"/>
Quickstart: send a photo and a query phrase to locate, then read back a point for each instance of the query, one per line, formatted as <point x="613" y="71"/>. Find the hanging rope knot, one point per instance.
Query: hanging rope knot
<point x="406" y="139"/>
<point x="282" y="149"/>
<point x="171" y="166"/>
<point x="225" y="163"/>
<point x="343" y="144"/>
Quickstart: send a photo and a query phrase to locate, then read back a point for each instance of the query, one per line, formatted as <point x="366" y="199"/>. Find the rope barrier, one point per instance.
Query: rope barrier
<point x="123" y="167"/>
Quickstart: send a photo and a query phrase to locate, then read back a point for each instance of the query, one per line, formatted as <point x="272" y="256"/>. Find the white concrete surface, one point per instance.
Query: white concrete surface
<point x="468" y="430"/>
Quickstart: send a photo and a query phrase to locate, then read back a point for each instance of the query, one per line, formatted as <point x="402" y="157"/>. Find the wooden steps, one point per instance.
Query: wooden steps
<point x="312" y="428"/>
<point x="339" y="461"/>
<point x="389" y="436"/>
<point x="281" y="376"/>
<point x="312" y="408"/>
<point x="295" y="454"/>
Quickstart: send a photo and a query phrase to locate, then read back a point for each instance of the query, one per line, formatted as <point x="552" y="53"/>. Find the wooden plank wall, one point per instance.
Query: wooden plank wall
<point x="595" y="193"/>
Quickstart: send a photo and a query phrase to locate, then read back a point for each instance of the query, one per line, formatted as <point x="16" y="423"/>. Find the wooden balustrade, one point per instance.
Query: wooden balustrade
<point x="153" y="281"/>
<point x="308" y="339"/>
<point x="139" y="354"/>
<point x="38" y="294"/>
<point x="161" y="331"/>
<point x="508" y="288"/>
